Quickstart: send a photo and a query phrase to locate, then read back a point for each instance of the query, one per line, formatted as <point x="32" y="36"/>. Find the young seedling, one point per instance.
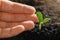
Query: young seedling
<point x="41" y="20"/>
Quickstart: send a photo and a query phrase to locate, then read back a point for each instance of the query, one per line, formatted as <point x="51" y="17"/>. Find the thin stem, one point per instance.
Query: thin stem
<point x="40" y="25"/>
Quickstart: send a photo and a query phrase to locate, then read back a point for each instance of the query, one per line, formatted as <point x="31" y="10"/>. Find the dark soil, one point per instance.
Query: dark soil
<point x="49" y="31"/>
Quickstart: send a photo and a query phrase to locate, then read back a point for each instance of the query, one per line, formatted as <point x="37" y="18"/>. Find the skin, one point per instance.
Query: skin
<point x="16" y="18"/>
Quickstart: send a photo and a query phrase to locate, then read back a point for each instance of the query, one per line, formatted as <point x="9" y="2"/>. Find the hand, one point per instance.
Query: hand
<point x="15" y="18"/>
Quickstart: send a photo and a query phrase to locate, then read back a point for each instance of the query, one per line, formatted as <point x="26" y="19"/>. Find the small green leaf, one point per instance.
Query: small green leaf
<point x="46" y="20"/>
<point x="40" y="16"/>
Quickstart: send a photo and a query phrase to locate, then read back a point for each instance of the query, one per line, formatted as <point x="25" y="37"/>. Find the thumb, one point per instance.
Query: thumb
<point x="10" y="32"/>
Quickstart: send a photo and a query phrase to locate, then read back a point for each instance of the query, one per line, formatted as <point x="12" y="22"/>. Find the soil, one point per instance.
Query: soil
<point x="50" y="30"/>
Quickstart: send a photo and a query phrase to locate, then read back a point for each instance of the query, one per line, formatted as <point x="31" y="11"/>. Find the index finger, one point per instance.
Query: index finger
<point x="12" y="7"/>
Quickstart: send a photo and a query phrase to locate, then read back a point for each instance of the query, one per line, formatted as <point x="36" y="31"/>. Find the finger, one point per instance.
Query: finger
<point x="17" y="17"/>
<point x="12" y="7"/>
<point x="16" y="28"/>
<point x="33" y="18"/>
<point x="10" y="32"/>
<point x="3" y="24"/>
<point x="27" y="24"/>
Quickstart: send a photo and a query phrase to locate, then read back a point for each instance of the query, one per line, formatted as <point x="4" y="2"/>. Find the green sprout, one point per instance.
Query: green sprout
<point x="41" y="20"/>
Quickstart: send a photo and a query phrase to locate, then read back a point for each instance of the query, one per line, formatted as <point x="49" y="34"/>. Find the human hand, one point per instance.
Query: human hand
<point x="15" y="18"/>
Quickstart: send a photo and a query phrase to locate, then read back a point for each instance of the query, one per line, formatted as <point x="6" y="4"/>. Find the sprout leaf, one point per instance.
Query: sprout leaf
<point x="41" y="20"/>
<point x="46" y="20"/>
<point x="40" y="16"/>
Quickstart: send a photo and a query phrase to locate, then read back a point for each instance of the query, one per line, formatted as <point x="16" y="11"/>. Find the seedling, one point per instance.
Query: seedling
<point x="41" y="19"/>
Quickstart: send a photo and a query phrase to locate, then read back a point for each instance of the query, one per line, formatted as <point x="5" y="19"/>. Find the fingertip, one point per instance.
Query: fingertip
<point x="14" y="7"/>
<point x="29" y="25"/>
<point x="33" y="17"/>
<point x="29" y="9"/>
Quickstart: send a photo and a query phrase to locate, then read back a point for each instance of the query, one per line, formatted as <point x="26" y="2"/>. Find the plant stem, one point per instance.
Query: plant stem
<point x="40" y="25"/>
